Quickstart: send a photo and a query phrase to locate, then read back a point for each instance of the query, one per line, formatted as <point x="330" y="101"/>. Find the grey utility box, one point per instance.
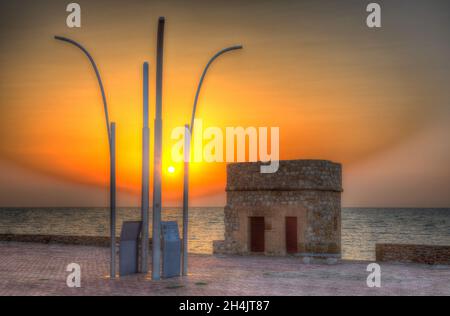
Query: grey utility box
<point x="129" y="248"/>
<point x="171" y="263"/>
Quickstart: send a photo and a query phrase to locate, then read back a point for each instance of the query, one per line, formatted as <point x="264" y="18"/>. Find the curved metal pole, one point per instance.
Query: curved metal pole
<point x="99" y="79"/>
<point x="111" y="128"/>
<point x="223" y="51"/>
<point x="187" y="148"/>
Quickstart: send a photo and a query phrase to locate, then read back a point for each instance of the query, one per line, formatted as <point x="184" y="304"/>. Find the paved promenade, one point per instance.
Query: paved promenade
<point x="39" y="269"/>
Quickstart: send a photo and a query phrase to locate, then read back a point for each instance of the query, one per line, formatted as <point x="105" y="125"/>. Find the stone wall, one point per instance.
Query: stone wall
<point x="99" y="241"/>
<point x="307" y="189"/>
<point x="292" y="175"/>
<point x="413" y="253"/>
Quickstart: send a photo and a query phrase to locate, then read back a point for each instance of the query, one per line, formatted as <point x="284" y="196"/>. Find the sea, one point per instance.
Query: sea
<point x="362" y="228"/>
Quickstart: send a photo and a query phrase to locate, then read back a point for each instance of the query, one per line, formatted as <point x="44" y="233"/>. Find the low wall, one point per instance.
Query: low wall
<point x="413" y="253"/>
<point x="99" y="241"/>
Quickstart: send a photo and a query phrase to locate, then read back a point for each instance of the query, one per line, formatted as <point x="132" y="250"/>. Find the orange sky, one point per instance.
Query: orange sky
<point x="374" y="100"/>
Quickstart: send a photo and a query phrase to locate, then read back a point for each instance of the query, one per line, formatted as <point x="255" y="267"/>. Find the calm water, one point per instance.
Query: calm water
<point x="361" y="228"/>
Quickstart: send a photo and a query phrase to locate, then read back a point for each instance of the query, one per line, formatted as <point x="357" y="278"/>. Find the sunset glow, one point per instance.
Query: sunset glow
<point x="335" y="90"/>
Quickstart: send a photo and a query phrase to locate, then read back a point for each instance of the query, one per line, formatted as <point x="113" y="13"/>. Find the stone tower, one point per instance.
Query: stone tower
<point x="296" y="210"/>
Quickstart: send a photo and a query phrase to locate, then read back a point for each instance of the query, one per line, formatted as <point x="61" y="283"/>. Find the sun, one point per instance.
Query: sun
<point x="171" y="169"/>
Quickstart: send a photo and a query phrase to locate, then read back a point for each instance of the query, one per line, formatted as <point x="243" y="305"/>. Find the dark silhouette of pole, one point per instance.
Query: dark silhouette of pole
<point x="145" y="173"/>
<point x="157" y="168"/>
<point x="109" y="127"/>
<point x="186" y="166"/>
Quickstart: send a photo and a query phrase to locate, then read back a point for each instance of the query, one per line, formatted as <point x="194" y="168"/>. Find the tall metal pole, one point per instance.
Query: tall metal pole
<point x="187" y="151"/>
<point x="157" y="170"/>
<point x="112" y="184"/>
<point x="113" y="200"/>
<point x="145" y="173"/>
<point x="186" y="166"/>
